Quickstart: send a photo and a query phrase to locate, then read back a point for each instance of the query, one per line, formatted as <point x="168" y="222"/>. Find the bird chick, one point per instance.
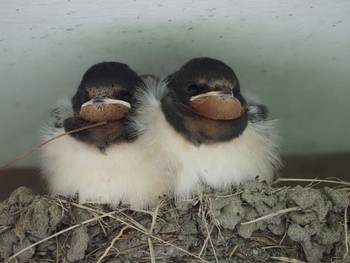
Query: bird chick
<point x="207" y="131"/>
<point x="104" y="164"/>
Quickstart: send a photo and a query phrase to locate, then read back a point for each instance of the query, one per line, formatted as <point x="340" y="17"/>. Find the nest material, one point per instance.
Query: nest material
<point x="255" y="223"/>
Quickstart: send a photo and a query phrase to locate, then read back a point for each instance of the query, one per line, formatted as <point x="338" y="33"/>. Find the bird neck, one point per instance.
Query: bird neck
<point x="101" y="136"/>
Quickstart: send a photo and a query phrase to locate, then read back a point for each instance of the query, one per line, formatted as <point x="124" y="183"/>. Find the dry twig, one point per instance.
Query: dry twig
<point x="268" y="216"/>
<point x="59" y="233"/>
<point x="24" y="155"/>
<point x="112" y="243"/>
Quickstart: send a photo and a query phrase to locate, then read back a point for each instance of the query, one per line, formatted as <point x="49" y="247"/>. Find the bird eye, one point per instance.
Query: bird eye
<point x="86" y="95"/>
<point x="193" y="90"/>
<point x="127" y="96"/>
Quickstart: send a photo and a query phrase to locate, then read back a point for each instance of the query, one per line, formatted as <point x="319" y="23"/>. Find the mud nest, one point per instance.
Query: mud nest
<point x="254" y="223"/>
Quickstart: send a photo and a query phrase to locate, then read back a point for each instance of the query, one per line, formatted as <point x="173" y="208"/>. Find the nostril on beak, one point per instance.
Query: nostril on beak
<point x="225" y="91"/>
<point x="99" y="99"/>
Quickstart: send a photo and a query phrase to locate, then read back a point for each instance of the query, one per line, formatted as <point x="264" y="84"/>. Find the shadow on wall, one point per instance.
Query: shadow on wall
<point x="300" y="167"/>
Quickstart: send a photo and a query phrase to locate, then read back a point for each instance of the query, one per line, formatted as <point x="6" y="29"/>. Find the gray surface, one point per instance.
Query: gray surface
<point x="294" y="55"/>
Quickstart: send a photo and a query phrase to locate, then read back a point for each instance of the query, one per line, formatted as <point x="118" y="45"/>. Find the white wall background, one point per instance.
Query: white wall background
<point x="295" y="55"/>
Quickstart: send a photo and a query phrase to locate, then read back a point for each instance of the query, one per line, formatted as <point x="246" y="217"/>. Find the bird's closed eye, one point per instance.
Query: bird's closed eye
<point x="86" y="95"/>
<point x="193" y="89"/>
<point x="126" y="96"/>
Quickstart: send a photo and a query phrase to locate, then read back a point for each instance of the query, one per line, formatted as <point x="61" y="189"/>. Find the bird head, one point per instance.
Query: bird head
<point x="204" y="101"/>
<point x="106" y="92"/>
<point x="209" y="88"/>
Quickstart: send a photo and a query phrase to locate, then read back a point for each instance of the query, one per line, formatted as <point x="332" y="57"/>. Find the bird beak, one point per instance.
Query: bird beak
<point x="217" y="105"/>
<point x="104" y="109"/>
<point x="100" y="100"/>
<point x="224" y="93"/>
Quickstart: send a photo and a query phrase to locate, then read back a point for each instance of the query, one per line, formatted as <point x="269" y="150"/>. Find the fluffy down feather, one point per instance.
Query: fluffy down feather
<point x="122" y="173"/>
<point x="221" y="165"/>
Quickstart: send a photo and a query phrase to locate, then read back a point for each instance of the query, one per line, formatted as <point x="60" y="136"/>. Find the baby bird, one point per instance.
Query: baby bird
<point x="104" y="164"/>
<point x="206" y="131"/>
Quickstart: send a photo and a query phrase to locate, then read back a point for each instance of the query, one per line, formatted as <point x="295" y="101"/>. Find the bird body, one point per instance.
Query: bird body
<point x="197" y="150"/>
<point x="107" y="163"/>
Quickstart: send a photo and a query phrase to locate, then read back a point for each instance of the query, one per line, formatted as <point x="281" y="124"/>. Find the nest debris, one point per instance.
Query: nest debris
<point x="253" y="223"/>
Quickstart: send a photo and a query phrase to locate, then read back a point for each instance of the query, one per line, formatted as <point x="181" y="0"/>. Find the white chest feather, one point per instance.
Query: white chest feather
<point x="121" y="174"/>
<point x="219" y="165"/>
